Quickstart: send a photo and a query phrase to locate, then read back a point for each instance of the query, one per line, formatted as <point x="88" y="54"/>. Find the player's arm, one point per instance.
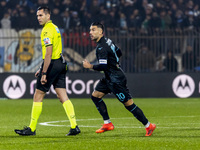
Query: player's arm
<point x="99" y="67"/>
<point x="102" y="53"/>
<point x="102" y="59"/>
<point x="118" y="52"/>
<point x="47" y="62"/>
<point x="102" y="66"/>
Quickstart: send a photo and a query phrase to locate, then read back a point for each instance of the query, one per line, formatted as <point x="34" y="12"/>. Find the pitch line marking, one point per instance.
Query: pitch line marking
<point x="52" y="123"/>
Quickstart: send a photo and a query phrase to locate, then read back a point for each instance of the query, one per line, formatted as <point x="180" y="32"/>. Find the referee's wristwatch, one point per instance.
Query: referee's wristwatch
<point x="44" y="73"/>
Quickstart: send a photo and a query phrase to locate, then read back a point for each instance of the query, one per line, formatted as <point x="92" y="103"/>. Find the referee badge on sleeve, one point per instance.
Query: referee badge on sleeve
<point x="47" y="41"/>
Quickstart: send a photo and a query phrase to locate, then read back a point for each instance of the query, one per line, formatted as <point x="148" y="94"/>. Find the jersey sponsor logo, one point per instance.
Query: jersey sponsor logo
<point x="102" y="61"/>
<point x="183" y="86"/>
<point x="14" y="87"/>
<point x="76" y="86"/>
<point x="47" y="41"/>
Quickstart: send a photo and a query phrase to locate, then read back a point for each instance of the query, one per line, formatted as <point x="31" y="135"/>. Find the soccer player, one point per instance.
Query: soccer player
<point x="114" y="81"/>
<point x="52" y="71"/>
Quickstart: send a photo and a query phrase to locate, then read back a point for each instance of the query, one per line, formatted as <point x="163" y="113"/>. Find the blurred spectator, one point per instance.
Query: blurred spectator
<point x="5" y="22"/>
<point x="158" y="6"/>
<point x="161" y="67"/>
<point x="83" y="6"/>
<point x="2" y="8"/>
<point x="145" y="23"/>
<point x="56" y="18"/>
<point x="86" y="19"/>
<point x="22" y="21"/>
<point x="189" y="21"/>
<point x="145" y="60"/>
<point x="190" y="5"/>
<point x="103" y="16"/>
<point x="170" y="62"/>
<point x="33" y="23"/>
<point x="177" y="20"/>
<point x="56" y="4"/>
<point x="94" y="9"/>
<point x="123" y="22"/>
<point x="76" y="22"/>
<point x="12" y="3"/>
<point x="14" y="16"/>
<point x="47" y="3"/>
<point x="127" y="8"/>
<point x="148" y="8"/>
<point x="155" y="21"/>
<point x="180" y="4"/>
<point x="196" y="10"/>
<point x="172" y="10"/>
<point x="77" y="4"/>
<point x="197" y="22"/>
<point x="67" y="5"/>
<point x="112" y="21"/>
<point x="135" y="20"/>
<point x="67" y="20"/>
<point x="39" y="3"/>
<point x="166" y="19"/>
<point x="189" y="60"/>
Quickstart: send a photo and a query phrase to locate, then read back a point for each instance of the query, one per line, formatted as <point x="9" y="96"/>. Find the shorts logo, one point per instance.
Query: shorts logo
<point x="47" y="41"/>
<point x="14" y="87"/>
<point x="183" y="86"/>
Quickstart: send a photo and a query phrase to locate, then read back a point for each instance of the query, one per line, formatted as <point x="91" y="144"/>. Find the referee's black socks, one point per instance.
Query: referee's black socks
<point x="137" y="112"/>
<point x="101" y="107"/>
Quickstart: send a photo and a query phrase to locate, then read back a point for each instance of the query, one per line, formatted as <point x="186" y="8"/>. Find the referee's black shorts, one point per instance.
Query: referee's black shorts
<point x="119" y="89"/>
<point x="56" y="76"/>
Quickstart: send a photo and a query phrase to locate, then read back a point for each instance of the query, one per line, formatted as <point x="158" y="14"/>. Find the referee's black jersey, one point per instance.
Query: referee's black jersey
<point x="108" y="54"/>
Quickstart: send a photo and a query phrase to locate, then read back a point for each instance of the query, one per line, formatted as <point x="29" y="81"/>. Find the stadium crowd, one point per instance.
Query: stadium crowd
<point x="145" y="19"/>
<point x="122" y="14"/>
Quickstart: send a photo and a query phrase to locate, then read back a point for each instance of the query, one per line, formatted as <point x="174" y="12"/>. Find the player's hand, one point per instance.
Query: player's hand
<point x="43" y="79"/>
<point x="37" y="73"/>
<point x="86" y="64"/>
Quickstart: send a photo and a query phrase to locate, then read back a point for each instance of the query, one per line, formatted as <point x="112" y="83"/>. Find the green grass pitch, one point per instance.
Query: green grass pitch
<point x="177" y="120"/>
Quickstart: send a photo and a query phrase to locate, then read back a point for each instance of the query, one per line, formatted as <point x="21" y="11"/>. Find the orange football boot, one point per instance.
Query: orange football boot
<point x="105" y="127"/>
<point x="150" y="129"/>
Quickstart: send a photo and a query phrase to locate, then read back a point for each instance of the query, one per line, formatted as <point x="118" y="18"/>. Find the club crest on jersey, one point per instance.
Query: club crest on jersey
<point x="47" y="41"/>
<point x="100" y="48"/>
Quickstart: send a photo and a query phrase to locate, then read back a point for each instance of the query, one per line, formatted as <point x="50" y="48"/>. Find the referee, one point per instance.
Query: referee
<point x="52" y="72"/>
<point x="114" y="81"/>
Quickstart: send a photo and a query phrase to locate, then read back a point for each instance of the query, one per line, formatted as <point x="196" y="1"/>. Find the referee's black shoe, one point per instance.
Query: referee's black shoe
<point x="26" y="131"/>
<point x="74" y="131"/>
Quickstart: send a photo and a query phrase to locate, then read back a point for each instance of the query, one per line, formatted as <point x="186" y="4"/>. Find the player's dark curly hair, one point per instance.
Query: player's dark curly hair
<point x="45" y="8"/>
<point x="99" y="25"/>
